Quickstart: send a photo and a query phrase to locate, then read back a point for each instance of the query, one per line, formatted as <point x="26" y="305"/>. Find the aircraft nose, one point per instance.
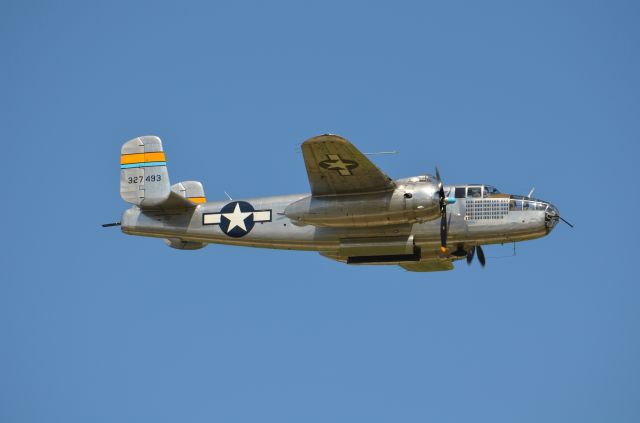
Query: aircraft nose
<point x="551" y="216"/>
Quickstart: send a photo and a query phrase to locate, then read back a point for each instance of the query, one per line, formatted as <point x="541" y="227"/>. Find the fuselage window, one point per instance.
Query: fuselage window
<point x="460" y="192"/>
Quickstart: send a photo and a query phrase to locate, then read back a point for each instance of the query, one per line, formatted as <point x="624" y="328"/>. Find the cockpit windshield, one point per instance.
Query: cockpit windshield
<point x="478" y="191"/>
<point x="474" y="192"/>
<point x="489" y="190"/>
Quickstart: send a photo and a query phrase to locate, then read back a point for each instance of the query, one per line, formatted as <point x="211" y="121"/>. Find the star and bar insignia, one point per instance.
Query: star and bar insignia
<point x="236" y="219"/>
<point x="342" y="166"/>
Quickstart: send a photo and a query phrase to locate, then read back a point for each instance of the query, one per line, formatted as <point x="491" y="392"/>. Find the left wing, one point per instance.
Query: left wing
<point x="335" y="166"/>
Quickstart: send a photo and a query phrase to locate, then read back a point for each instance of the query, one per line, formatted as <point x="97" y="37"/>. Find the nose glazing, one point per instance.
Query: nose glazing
<point x="551" y="216"/>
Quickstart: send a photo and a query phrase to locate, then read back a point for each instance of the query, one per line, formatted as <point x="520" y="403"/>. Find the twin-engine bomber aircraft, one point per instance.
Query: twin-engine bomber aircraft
<point x="355" y="213"/>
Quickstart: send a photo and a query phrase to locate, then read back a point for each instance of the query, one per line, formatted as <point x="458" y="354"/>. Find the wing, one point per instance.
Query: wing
<point x="335" y="166"/>
<point x="433" y="265"/>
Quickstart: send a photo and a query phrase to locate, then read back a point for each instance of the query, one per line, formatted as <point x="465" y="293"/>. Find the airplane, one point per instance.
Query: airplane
<point x="354" y="214"/>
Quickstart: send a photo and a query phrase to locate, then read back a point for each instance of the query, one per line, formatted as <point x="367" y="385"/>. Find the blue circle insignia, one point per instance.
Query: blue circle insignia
<point x="237" y="219"/>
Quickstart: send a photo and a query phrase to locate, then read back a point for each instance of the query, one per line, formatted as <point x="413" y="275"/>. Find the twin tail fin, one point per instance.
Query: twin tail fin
<point x="144" y="179"/>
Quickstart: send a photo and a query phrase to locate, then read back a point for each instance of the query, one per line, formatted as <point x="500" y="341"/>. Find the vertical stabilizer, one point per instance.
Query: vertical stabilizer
<point x="144" y="180"/>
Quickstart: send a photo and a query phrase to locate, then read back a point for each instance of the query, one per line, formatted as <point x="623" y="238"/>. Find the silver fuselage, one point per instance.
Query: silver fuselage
<point x="472" y="221"/>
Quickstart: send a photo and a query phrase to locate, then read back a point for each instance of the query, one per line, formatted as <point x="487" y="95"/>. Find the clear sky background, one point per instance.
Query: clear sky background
<point x="96" y="326"/>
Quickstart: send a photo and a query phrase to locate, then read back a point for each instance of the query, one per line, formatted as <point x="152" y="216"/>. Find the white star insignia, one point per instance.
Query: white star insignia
<point x="237" y="218"/>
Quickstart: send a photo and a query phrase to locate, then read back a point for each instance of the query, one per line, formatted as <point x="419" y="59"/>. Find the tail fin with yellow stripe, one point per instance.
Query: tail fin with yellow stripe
<point x="144" y="180"/>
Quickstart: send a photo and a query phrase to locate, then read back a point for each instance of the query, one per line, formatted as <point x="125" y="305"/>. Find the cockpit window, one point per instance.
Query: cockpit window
<point x="489" y="190"/>
<point x="474" y="192"/>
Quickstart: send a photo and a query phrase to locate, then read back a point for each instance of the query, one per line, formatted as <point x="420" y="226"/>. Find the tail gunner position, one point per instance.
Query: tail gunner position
<point x="354" y="214"/>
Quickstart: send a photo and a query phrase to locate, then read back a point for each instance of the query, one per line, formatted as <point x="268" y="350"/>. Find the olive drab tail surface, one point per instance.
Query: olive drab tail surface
<point x="144" y="180"/>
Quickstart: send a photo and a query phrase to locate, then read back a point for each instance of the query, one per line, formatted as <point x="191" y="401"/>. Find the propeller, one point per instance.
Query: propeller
<point x="470" y="254"/>
<point x="481" y="258"/>
<point x="443" y="213"/>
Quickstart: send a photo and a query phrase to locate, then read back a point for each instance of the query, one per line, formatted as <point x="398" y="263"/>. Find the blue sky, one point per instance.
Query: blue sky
<point x="99" y="326"/>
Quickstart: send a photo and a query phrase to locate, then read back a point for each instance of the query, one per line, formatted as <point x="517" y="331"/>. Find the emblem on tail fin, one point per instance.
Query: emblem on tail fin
<point x="236" y="219"/>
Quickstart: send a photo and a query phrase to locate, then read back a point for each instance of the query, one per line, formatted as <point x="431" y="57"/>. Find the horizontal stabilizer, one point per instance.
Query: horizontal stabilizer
<point x="191" y="190"/>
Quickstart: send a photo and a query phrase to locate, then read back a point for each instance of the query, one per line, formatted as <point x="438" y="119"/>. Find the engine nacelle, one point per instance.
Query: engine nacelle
<point x="409" y="203"/>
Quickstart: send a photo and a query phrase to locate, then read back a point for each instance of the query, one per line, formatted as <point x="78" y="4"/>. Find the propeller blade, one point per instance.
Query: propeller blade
<point x="108" y="225"/>
<point x="443" y="232"/>
<point x="481" y="257"/>
<point x="443" y="213"/>
<point x="470" y="253"/>
<point x="566" y="222"/>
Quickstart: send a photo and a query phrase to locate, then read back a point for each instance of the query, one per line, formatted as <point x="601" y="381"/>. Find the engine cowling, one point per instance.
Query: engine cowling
<point x="409" y="203"/>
